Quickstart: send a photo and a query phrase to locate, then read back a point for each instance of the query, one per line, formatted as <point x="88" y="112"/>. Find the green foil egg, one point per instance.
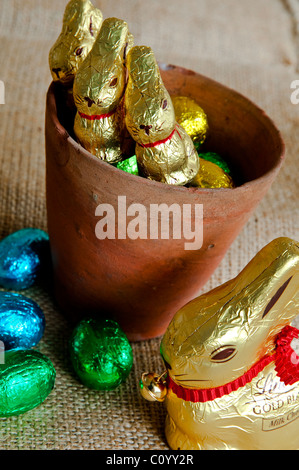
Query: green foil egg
<point x="100" y="353"/>
<point x="129" y="165"/>
<point x="26" y="379"/>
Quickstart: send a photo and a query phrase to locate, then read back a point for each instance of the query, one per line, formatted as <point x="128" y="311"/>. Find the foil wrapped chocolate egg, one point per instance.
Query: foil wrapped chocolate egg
<point x="101" y="354"/>
<point x="26" y="379"/>
<point x="22" y="255"/>
<point x="217" y="159"/>
<point x="129" y="165"/>
<point x="211" y="175"/>
<point x="191" y="117"/>
<point x="22" y="322"/>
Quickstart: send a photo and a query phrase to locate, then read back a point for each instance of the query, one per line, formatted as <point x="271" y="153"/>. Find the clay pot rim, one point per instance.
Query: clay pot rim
<point x="51" y="103"/>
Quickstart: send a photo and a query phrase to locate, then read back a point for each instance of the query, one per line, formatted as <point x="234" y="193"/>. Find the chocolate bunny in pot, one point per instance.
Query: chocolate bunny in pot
<point x="164" y="150"/>
<point x="81" y="25"/>
<point x="99" y="89"/>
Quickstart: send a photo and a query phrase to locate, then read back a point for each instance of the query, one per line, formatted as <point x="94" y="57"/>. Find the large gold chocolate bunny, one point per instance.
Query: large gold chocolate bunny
<point x="81" y="25"/>
<point x="232" y="375"/>
<point x="99" y="90"/>
<point x="164" y="150"/>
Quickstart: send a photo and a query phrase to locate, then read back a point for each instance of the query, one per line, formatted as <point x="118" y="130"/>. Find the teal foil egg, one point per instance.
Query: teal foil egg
<point x="26" y="379"/>
<point x="101" y="354"/>
<point x="22" y="255"/>
<point x="22" y="322"/>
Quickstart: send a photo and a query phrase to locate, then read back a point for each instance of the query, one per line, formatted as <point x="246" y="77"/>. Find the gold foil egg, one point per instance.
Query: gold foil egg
<point x="191" y="117"/>
<point x="232" y="373"/>
<point x="211" y="175"/>
<point x="164" y="150"/>
<point x="98" y="93"/>
<point x="81" y="25"/>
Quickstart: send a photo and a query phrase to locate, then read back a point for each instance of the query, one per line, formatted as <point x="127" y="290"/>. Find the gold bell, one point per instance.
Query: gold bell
<point x="153" y="386"/>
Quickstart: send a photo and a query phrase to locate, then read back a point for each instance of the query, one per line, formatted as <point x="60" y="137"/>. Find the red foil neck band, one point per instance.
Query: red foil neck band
<point x="286" y="367"/>
<point x="96" y="117"/>
<point x="163" y="141"/>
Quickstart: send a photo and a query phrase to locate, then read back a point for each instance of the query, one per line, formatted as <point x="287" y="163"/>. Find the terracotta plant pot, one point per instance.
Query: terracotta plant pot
<point x="142" y="283"/>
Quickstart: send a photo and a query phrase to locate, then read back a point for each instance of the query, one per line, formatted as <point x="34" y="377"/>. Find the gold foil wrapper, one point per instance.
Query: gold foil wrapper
<point x="81" y="25"/>
<point x="99" y="89"/>
<point x="191" y="117"/>
<point x="165" y="152"/>
<point x="216" y="339"/>
<point x="211" y="175"/>
<point x="153" y="387"/>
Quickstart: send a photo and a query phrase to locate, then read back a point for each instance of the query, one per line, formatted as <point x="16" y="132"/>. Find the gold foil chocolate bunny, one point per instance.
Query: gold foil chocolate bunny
<point x="232" y="375"/>
<point x="99" y="90"/>
<point x="81" y="25"/>
<point x="164" y="150"/>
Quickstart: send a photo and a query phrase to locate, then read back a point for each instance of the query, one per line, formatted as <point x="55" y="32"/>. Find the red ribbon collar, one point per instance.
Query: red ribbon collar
<point x="286" y="367"/>
<point x="163" y="141"/>
<point x="96" y="117"/>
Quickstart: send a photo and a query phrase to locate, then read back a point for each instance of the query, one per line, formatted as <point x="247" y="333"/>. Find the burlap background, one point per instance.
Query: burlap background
<point x="250" y="45"/>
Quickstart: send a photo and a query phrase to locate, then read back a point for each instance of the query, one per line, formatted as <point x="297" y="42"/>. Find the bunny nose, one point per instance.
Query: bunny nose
<point x="56" y="71"/>
<point x="89" y="101"/>
<point x="146" y="128"/>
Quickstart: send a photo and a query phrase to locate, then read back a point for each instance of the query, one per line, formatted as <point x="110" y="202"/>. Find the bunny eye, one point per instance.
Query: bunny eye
<point x="164" y="104"/>
<point x="223" y="354"/>
<point x="113" y="82"/>
<point x="79" y="51"/>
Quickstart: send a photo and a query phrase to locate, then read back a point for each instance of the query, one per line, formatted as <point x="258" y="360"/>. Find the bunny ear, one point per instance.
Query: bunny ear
<point x="79" y="13"/>
<point x="271" y="283"/>
<point x="74" y="10"/>
<point x="111" y="39"/>
<point x="144" y="72"/>
<point x="142" y="58"/>
<point x="261" y="300"/>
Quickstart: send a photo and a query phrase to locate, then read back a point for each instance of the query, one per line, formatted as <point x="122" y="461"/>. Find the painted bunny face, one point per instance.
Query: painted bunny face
<point x="81" y="25"/>
<point x="218" y="336"/>
<point x="101" y="79"/>
<point x="150" y="114"/>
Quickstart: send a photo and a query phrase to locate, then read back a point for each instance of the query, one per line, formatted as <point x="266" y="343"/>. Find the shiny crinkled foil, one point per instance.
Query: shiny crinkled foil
<point x="99" y="89"/>
<point x="24" y="257"/>
<point x="217" y="159"/>
<point x="211" y="175"/>
<point x="129" y="165"/>
<point x="81" y="25"/>
<point x="216" y="340"/>
<point x="22" y="322"/>
<point x="191" y="117"/>
<point x="164" y="150"/>
<point x="27" y="377"/>
<point x="100" y="353"/>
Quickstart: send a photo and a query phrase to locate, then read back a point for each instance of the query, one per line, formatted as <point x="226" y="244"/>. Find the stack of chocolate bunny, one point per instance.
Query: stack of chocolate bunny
<point x="122" y="106"/>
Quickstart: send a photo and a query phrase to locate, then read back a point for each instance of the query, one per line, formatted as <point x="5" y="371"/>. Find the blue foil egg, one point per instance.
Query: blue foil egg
<point x="22" y="255"/>
<point x="22" y="322"/>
